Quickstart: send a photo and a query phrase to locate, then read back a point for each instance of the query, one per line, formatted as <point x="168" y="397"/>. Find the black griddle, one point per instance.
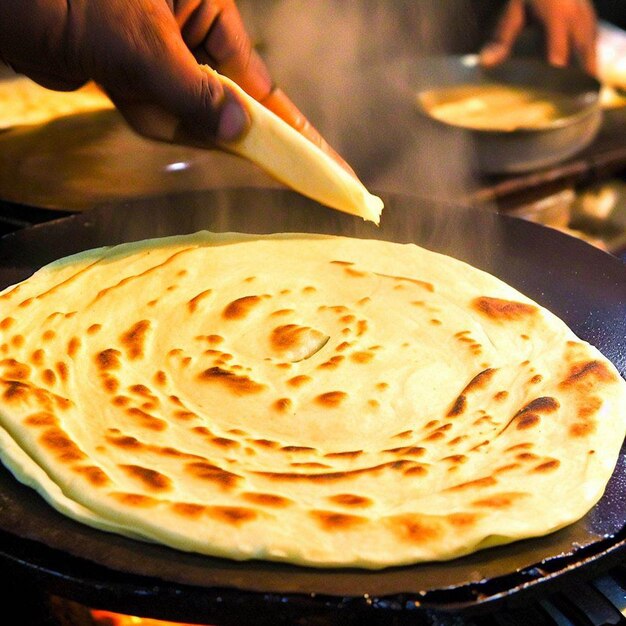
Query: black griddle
<point x="581" y="284"/>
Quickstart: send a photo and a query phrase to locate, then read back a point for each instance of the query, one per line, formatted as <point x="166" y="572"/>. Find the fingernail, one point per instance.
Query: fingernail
<point x="233" y="121"/>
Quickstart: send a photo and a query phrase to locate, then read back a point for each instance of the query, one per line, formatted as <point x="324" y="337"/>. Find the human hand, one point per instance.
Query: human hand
<point x="569" y="25"/>
<point x="145" y="55"/>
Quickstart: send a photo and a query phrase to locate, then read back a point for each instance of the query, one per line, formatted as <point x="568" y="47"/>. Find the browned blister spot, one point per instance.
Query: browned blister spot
<point x="73" y="345"/>
<point x="506" y="310"/>
<point x="350" y="500"/>
<point x="146" y="420"/>
<point x="509" y="467"/>
<point x="416" y="470"/>
<point x="125" y="442"/>
<point x="331" y="399"/>
<point x="500" y="500"/>
<point x="266" y="499"/>
<point x="234" y="515"/>
<point x="240" y="308"/>
<point x="403" y="435"/>
<point x="354" y="273"/>
<point x="547" y="466"/>
<point x="266" y="443"/>
<point x="436" y="436"/>
<point x="110" y="383"/>
<point x="108" y="359"/>
<point x="134" y="339"/>
<point x="332" y="363"/>
<point x="362" y="356"/>
<point x="38" y="357"/>
<point x="212" y="473"/>
<point x="582" y="429"/>
<point x="188" y="509"/>
<point x="15" y="370"/>
<point x="527" y="420"/>
<point x="414" y="451"/>
<point x="455" y="459"/>
<point x="61" y="445"/>
<point x="462" y="520"/>
<point x="298" y="381"/>
<point x="526" y="456"/>
<point x="135" y="499"/>
<point x="93" y="329"/>
<point x="235" y="383"/>
<point x="481" y="380"/>
<point x="160" y="378"/>
<point x="48" y="335"/>
<point x="500" y="396"/>
<point x="479" y="483"/>
<point x="225" y="442"/>
<point x="62" y="370"/>
<point x="349" y="454"/>
<point x="17" y="341"/>
<point x="459" y="406"/>
<point x="42" y="418"/>
<point x="96" y="476"/>
<point x="121" y="400"/>
<point x="586" y="374"/>
<point x="297" y="449"/>
<point x="184" y="415"/>
<point x="332" y="521"/>
<point x="588" y="406"/>
<point x="527" y="445"/>
<point x="6" y="323"/>
<point x="414" y="528"/>
<point x="536" y="379"/>
<point x="149" y="478"/>
<point x="545" y="404"/>
<point x="48" y="377"/>
<point x="194" y="303"/>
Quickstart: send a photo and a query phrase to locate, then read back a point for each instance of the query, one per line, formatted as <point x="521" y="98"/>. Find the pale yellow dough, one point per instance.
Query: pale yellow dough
<point x="323" y="401"/>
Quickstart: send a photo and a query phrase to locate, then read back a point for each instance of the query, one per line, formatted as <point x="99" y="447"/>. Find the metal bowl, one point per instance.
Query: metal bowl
<point x="521" y="149"/>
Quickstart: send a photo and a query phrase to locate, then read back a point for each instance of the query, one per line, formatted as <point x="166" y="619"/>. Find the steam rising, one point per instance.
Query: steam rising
<point x="349" y="66"/>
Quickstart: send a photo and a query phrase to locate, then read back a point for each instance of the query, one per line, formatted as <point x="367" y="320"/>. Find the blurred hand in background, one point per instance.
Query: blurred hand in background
<point x="569" y="28"/>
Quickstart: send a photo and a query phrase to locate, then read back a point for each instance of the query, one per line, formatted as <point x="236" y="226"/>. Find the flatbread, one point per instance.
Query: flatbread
<point x="297" y="162"/>
<point x="324" y="401"/>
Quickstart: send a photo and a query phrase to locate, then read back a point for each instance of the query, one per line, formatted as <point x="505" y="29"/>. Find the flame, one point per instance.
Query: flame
<point x="108" y="618"/>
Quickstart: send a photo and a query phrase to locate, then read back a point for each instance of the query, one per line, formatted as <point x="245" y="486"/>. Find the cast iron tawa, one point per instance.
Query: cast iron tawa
<point x="579" y="283"/>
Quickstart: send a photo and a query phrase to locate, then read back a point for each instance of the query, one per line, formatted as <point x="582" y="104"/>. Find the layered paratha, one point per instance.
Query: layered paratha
<point x="324" y="401"/>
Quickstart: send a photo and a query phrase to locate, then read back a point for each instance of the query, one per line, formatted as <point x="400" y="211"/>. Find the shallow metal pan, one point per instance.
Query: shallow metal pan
<point x="581" y="284"/>
<point x="522" y="149"/>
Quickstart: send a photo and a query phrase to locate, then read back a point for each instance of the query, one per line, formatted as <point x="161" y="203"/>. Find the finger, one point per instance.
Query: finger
<point x="557" y="41"/>
<point x="584" y="38"/>
<point x="228" y="47"/>
<point x="507" y="30"/>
